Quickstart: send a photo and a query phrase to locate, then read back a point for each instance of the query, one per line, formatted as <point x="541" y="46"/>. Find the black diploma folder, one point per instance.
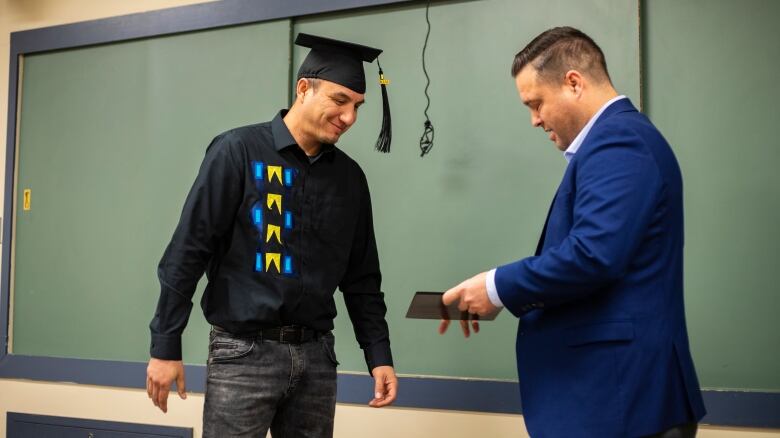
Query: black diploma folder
<point x="428" y="305"/>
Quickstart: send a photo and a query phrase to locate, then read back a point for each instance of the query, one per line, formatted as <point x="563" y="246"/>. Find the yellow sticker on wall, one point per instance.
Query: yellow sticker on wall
<point x="26" y="202"/>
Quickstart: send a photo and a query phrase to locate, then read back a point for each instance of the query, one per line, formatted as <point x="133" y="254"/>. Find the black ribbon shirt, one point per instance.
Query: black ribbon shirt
<point x="276" y="233"/>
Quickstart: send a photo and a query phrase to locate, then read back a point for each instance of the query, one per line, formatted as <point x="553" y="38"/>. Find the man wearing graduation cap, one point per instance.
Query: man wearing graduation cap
<point x="278" y="218"/>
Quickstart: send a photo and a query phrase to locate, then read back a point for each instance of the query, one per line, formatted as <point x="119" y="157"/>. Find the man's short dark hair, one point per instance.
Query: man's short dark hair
<point x="560" y="49"/>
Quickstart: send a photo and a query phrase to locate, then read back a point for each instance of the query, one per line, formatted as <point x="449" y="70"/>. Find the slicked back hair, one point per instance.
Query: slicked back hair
<point x="560" y="49"/>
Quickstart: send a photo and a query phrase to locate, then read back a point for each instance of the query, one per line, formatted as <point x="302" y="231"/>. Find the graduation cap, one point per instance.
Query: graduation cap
<point x="342" y="62"/>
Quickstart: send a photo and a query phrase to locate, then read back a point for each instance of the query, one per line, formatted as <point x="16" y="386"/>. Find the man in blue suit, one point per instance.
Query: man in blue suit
<point x="602" y="346"/>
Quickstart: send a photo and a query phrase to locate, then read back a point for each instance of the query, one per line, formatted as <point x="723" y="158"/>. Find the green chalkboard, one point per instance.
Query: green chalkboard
<point x="711" y="73"/>
<point x="111" y="138"/>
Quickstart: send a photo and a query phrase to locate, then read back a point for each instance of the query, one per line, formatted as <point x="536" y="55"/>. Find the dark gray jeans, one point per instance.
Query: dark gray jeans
<point x="255" y="384"/>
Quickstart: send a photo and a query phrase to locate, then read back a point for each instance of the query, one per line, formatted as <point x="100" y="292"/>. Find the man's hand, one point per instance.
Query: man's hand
<point x="160" y="374"/>
<point x="472" y="297"/>
<point x="385" y="386"/>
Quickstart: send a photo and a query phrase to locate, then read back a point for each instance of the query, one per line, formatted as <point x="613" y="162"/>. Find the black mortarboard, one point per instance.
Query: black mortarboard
<point x="342" y="62"/>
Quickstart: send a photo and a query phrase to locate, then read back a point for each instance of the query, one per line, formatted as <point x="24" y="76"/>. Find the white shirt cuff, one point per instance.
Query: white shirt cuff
<point x="490" y="285"/>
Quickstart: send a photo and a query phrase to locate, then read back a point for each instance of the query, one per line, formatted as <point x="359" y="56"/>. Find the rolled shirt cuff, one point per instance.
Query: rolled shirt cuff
<point x="490" y="285"/>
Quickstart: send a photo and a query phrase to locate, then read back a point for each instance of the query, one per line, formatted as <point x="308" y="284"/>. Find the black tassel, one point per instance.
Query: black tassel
<point x="386" y="133"/>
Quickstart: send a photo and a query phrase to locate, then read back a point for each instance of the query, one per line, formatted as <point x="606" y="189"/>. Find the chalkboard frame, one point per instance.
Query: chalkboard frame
<point x="732" y="408"/>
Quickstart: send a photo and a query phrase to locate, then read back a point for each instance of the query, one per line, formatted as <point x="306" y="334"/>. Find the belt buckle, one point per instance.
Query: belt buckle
<point x="290" y="335"/>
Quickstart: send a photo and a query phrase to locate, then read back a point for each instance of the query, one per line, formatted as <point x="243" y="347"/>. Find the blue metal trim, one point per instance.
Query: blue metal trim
<point x="438" y="393"/>
<point x="189" y="18"/>
<point x="89" y="371"/>
<point x="8" y="209"/>
<point x="15" y="418"/>
<point x="742" y="408"/>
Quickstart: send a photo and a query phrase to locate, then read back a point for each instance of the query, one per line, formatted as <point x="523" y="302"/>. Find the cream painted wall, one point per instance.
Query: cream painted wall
<point x="127" y="405"/>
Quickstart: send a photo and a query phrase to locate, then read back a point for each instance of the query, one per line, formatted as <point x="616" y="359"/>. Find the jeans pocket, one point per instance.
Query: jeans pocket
<point x="329" y="345"/>
<point x="224" y="347"/>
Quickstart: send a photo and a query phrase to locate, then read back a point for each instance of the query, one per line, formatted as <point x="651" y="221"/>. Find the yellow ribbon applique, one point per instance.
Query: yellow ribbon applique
<point x="275" y="171"/>
<point x="275" y="199"/>
<point x="275" y="258"/>
<point x="273" y="231"/>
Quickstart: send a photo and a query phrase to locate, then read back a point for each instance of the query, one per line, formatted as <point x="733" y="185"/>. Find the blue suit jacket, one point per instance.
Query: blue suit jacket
<point x="602" y="346"/>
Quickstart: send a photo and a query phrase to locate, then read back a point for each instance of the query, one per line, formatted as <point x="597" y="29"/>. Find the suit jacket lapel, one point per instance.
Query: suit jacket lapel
<point x="619" y="106"/>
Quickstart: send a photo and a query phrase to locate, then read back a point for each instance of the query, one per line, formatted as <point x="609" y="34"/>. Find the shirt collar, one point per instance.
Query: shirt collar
<point x="283" y="138"/>
<point x="568" y="154"/>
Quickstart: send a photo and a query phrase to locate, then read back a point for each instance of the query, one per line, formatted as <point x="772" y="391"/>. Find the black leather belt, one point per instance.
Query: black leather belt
<point x="288" y="334"/>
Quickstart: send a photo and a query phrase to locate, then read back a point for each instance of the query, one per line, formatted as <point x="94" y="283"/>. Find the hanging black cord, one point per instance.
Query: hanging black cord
<point x="426" y="140"/>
